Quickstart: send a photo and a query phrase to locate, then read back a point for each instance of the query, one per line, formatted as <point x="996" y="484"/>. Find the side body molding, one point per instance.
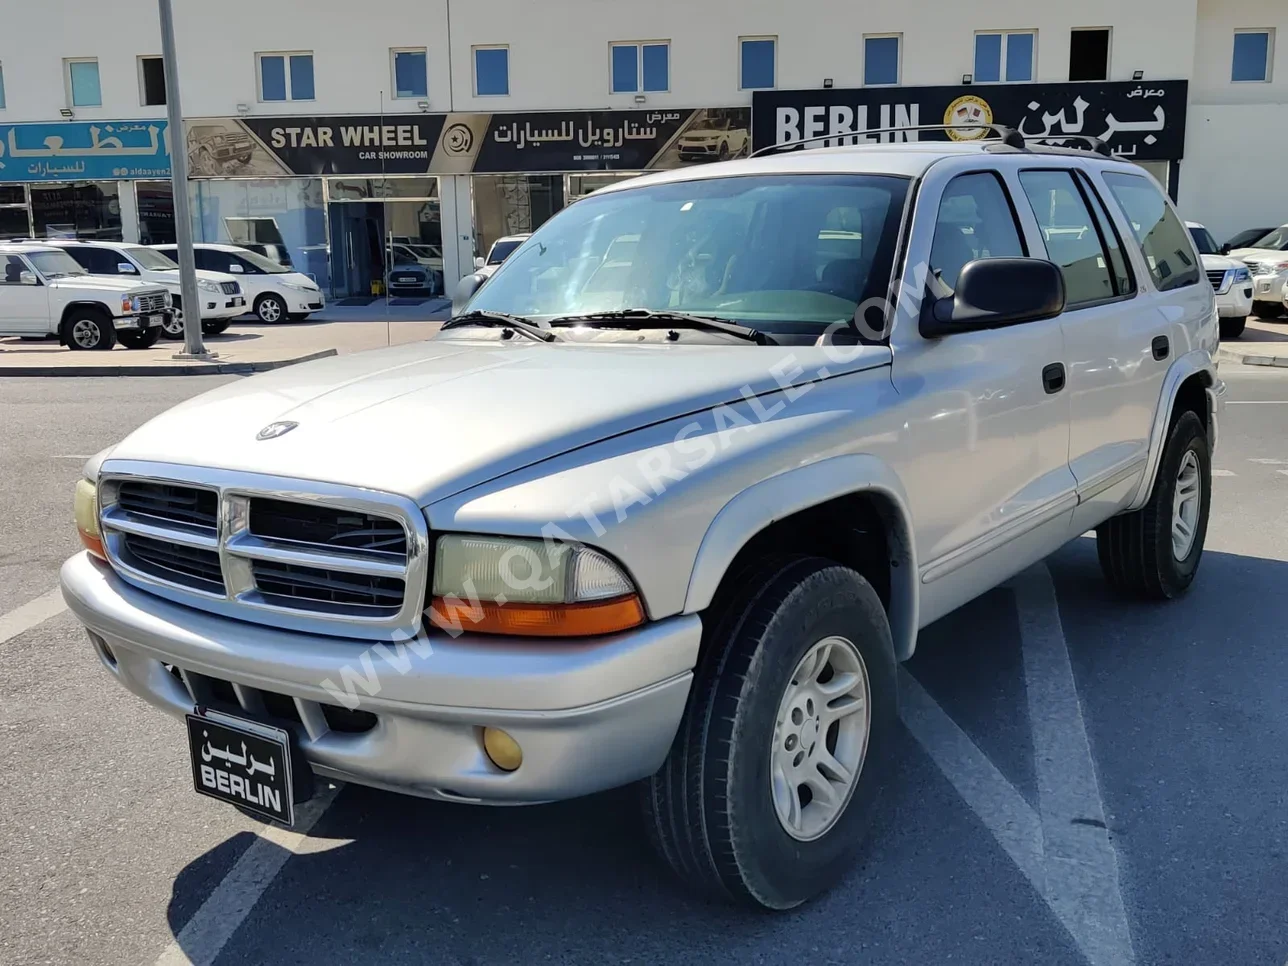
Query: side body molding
<point x="758" y="506"/>
<point x="1195" y="361"/>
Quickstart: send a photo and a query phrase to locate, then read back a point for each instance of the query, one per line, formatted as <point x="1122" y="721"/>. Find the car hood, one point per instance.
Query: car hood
<point x="701" y="135"/>
<point x="1259" y="255"/>
<point x="1220" y="263"/>
<point x="107" y="283"/>
<point x="291" y="278"/>
<point x="172" y="275"/>
<point x="430" y="419"/>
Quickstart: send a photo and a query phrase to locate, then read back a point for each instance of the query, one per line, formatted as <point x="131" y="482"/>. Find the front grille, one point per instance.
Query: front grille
<point x="230" y="288"/>
<point x="187" y="566"/>
<point x="152" y="302"/>
<point x="1217" y="277"/>
<point x="169" y="502"/>
<point x="324" y="526"/>
<point x="293" y="583"/>
<point x="310" y="719"/>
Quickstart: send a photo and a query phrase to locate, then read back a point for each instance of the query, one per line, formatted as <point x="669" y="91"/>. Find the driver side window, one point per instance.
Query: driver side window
<point x="14" y="267"/>
<point x="975" y="220"/>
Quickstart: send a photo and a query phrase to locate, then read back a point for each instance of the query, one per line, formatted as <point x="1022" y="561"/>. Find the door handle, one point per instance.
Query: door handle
<point x="1160" y="347"/>
<point x="1053" y="377"/>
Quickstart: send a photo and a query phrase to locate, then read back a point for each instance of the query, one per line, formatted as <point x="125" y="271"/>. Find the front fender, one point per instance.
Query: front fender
<point x="1192" y="363"/>
<point x="768" y="501"/>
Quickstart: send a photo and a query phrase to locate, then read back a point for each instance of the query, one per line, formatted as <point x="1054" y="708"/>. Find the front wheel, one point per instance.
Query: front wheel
<point x="172" y="324"/>
<point x="784" y="748"/>
<point x="143" y="339"/>
<point x="1154" y="552"/>
<point x="1232" y="328"/>
<point x="270" y="308"/>
<point x="1267" y="310"/>
<point x="89" y="329"/>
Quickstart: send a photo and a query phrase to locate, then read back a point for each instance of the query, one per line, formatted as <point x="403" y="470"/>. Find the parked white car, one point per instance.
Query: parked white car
<point x="1231" y="280"/>
<point x="717" y="141"/>
<point x="221" y="295"/>
<point x="45" y="292"/>
<point x="1268" y="261"/>
<point x="274" y="292"/>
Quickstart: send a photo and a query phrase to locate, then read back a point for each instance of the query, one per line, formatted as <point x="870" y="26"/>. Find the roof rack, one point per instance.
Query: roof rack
<point x="1093" y="143"/>
<point x="1001" y="136"/>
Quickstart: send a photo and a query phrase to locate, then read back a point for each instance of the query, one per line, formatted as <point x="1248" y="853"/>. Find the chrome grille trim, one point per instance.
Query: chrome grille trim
<point x="1220" y="279"/>
<point x="230" y="288"/>
<point x="152" y="302"/>
<point x="239" y="550"/>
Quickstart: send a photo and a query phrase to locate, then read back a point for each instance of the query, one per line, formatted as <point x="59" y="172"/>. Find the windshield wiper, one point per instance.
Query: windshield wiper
<point x="515" y="322"/>
<point x="650" y="319"/>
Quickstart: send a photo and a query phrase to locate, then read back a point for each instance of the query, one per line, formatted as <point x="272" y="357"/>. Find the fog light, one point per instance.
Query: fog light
<point x="503" y="750"/>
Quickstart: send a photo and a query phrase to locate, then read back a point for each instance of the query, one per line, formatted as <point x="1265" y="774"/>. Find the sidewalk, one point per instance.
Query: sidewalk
<point x="1263" y="343"/>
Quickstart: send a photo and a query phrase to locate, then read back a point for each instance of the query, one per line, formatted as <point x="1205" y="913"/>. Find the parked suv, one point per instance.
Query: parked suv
<point x="275" y="292"/>
<point x="675" y="525"/>
<point x="1267" y="259"/>
<point x="44" y="292"/>
<point x="221" y="296"/>
<point x="1230" y="278"/>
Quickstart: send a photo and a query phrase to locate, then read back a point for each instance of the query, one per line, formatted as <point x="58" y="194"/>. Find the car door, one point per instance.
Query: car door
<point x="1113" y="378"/>
<point x="24" y="299"/>
<point x="985" y="463"/>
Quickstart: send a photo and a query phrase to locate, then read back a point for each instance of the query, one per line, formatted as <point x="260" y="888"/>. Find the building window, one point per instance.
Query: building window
<point x="151" y="81"/>
<point x="491" y="71"/>
<point x="1253" y="54"/>
<point x="757" y="70"/>
<point x="411" y="77"/>
<point x="1089" y="54"/>
<point x="286" y="76"/>
<point x="1006" y="56"/>
<point x="881" y="59"/>
<point x="82" y="82"/>
<point x="640" y="67"/>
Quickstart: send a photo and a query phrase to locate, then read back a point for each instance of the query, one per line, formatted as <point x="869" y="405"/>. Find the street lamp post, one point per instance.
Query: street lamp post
<point x="192" y="344"/>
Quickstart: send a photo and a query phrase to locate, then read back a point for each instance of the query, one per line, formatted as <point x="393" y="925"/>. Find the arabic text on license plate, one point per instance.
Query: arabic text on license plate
<point x="242" y="763"/>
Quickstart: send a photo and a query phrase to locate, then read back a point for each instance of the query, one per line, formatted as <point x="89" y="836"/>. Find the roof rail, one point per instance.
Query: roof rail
<point x="1093" y="143"/>
<point x="1008" y="136"/>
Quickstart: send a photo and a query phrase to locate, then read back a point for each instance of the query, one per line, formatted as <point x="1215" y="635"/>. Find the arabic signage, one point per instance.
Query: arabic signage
<point x="557" y="141"/>
<point x="84" y="151"/>
<point x="1140" y="121"/>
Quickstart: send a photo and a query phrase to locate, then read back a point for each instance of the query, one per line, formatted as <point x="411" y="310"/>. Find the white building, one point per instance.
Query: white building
<point x="361" y="134"/>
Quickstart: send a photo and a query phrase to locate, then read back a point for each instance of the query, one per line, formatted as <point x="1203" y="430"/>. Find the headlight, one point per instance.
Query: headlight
<point x="86" y="510"/>
<point x="208" y="286"/>
<point x="129" y="305"/>
<point x="300" y="287"/>
<point x="1242" y="275"/>
<point x="169" y="299"/>
<point x="497" y="585"/>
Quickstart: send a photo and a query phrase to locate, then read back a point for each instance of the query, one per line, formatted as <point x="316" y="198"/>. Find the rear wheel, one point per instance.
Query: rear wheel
<point x="144" y="339"/>
<point x="1233" y="328"/>
<point x="784" y="748"/>
<point x="270" y="308"/>
<point x="215" y="326"/>
<point x="88" y="328"/>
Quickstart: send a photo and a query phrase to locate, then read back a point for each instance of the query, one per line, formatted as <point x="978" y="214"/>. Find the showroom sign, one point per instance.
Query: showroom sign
<point x="1140" y="121"/>
<point x="548" y="141"/>
<point x="84" y="151"/>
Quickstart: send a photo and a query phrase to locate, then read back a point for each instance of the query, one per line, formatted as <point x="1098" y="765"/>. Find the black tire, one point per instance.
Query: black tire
<point x="298" y="316"/>
<point x="215" y="326"/>
<point x="144" y="339"/>
<point x="270" y="308"/>
<point x="172" y="325"/>
<point x="1135" y="549"/>
<point x="88" y="328"/>
<point x="709" y="810"/>
<point x="723" y="153"/>
<point x="1267" y="310"/>
<point x="1232" y="328"/>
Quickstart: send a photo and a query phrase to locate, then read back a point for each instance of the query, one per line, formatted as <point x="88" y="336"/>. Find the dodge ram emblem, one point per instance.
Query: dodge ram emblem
<point x="274" y="430"/>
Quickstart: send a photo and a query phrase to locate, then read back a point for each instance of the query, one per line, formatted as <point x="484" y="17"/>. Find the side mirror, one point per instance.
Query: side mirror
<point x="236" y="269"/>
<point x="125" y="268"/>
<point x="478" y="262"/>
<point x="1225" y="249"/>
<point x="996" y="292"/>
<point x="28" y="278"/>
<point x="465" y="290"/>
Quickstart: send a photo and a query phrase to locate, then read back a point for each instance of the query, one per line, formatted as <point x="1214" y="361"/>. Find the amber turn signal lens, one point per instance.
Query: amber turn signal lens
<point x="538" y="620"/>
<point x="503" y="750"/>
<point x="86" y="509"/>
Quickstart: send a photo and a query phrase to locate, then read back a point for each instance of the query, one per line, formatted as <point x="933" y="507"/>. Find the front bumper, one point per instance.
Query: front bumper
<point x="589" y="715"/>
<point x="305" y="302"/>
<point x="220" y="307"/>
<point x="137" y="323"/>
<point x="1269" y="288"/>
<point x="1236" y="302"/>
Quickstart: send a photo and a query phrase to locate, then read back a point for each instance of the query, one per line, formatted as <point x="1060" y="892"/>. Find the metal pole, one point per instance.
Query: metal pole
<point x="192" y="344"/>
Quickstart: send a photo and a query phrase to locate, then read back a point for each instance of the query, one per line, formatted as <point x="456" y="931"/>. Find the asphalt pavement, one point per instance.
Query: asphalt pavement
<point x="1084" y="780"/>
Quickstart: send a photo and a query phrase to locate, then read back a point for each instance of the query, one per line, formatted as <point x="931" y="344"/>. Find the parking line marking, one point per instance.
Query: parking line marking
<point x="1224" y="473"/>
<point x="1080" y="862"/>
<point x="204" y="936"/>
<point x="30" y="614"/>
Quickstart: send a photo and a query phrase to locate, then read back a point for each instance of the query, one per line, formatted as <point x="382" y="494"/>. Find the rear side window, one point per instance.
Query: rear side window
<point x="1168" y="249"/>
<point x="1071" y="236"/>
<point x="96" y="261"/>
<point x="1109" y="237"/>
<point x="975" y="220"/>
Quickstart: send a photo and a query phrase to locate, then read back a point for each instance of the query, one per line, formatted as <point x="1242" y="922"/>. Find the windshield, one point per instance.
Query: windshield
<point x="501" y="251"/>
<point x="1204" y="241"/>
<point x="151" y="260"/>
<point x="1276" y="240"/>
<point x="262" y="263"/>
<point x="783" y="253"/>
<point x="54" y="264"/>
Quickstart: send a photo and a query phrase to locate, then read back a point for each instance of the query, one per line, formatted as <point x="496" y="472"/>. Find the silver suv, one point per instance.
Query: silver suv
<point x="669" y="502"/>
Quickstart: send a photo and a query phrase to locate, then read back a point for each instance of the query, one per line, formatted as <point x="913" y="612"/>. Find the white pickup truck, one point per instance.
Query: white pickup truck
<point x="45" y="292"/>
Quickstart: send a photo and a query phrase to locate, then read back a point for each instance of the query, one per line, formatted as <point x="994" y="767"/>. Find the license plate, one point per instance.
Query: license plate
<point x="242" y="763"/>
<point x="406" y="278"/>
<point x="153" y="320"/>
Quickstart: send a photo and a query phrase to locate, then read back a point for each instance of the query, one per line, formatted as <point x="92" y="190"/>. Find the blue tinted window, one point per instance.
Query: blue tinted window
<point x="657" y="73"/>
<point x="85" y="88"/>
<point x="757" y="65"/>
<point x="881" y="60"/>
<point x="301" y="77"/>
<point x="1019" y="57"/>
<point x="272" y="74"/>
<point x="988" y="58"/>
<point x="1251" y="57"/>
<point x="492" y="71"/>
<point x="625" y="69"/>
<point x="409" y="74"/>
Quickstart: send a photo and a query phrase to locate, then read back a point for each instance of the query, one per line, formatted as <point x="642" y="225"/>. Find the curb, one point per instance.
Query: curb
<point x="187" y="369"/>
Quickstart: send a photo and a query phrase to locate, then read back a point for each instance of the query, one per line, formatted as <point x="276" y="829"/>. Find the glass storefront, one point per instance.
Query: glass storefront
<point x="156" y="212"/>
<point x="512" y="204"/>
<point x="79" y="210"/>
<point x="15" y="221"/>
<point x="386" y="237"/>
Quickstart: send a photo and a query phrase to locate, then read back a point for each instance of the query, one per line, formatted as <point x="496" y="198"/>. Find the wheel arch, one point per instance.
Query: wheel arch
<point x="852" y="508"/>
<point x="1186" y="388"/>
<point x="72" y="307"/>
